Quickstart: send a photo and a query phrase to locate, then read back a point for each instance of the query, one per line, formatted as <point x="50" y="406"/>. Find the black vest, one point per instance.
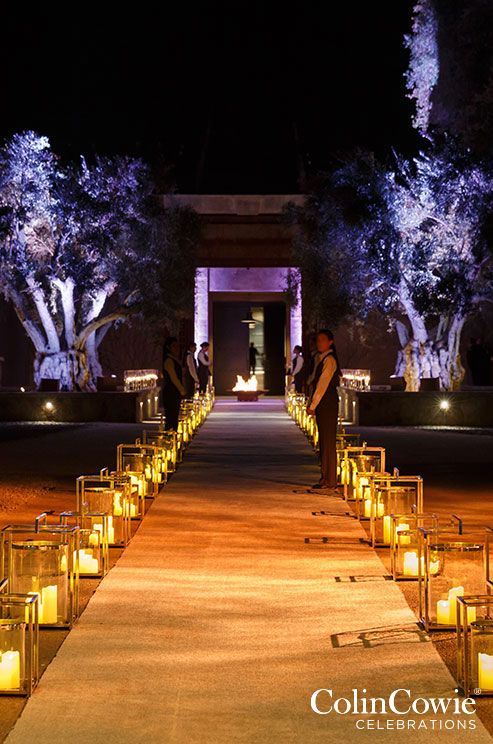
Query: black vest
<point x="168" y="384"/>
<point x="331" y="391"/>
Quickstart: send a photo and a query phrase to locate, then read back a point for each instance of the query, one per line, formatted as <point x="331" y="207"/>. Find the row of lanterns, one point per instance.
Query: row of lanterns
<point x="42" y="563"/>
<point x="450" y="564"/>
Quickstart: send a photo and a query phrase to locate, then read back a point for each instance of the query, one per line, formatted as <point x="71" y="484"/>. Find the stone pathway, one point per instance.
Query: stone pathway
<point x="227" y="611"/>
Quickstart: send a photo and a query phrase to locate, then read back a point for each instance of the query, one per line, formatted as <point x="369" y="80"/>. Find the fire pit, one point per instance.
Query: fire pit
<point x="247" y="390"/>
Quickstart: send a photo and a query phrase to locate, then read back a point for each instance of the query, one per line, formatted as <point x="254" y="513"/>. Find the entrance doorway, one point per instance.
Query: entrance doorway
<point x="232" y="339"/>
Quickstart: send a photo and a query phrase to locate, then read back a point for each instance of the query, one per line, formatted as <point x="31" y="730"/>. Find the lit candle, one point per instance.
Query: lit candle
<point x="387" y="524"/>
<point x="10" y="670"/>
<point x="410" y="565"/>
<point x="49" y="600"/>
<point x="63" y="563"/>
<point x="403" y="539"/>
<point x="443" y="612"/>
<point x="380" y="509"/>
<point x="367" y="512"/>
<point x="485" y="671"/>
<point x="117" y="505"/>
<point x="87" y="563"/>
<point x="94" y="539"/>
<point x="361" y="484"/>
<point x="456" y="591"/>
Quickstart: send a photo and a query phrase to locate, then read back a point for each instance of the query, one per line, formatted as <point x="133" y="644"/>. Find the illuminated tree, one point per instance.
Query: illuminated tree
<point x="437" y="259"/>
<point x="422" y="74"/>
<point x="83" y="247"/>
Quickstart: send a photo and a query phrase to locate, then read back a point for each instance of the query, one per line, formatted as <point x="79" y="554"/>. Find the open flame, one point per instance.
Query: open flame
<point x="241" y="384"/>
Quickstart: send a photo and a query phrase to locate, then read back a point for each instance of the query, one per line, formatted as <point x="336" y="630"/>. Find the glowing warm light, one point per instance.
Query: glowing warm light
<point x="444" y="405"/>
<point x="245" y="385"/>
<point x="49" y="406"/>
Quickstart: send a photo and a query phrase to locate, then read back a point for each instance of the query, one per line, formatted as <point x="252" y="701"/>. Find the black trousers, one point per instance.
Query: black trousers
<point x="298" y="383"/>
<point x="326" y="414"/>
<point x="203" y="379"/>
<point x="171" y="404"/>
<point x="189" y="384"/>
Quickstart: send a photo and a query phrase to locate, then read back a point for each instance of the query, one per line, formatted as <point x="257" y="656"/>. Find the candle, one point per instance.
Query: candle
<point x="387" y="524"/>
<point x="443" y="612"/>
<point x="87" y="563"/>
<point x="117" y="506"/>
<point x="403" y="539"/>
<point x="49" y="600"/>
<point x="485" y="671"/>
<point x="111" y="531"/>
<point x="447" y="608"/>
<point x="362" y="483"/>
<point x="94" y="539"/>
<point x="63" y="563"/>
<point x="40" y="609"/>
<point x="410" y="565"/>
<point x="456" y="591"/>
<point x="10" y="670"/>
<point x="367" y="511"/>
<point x="131" y="510"/>
<point x="380" y="509"/>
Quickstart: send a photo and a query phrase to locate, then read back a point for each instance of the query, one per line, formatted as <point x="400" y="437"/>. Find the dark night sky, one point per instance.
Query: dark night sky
<point x="153" y="83"/>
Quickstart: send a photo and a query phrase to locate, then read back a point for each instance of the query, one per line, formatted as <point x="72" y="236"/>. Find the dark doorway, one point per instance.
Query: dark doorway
<point x="230" y="346"/>
<point x="231" y="340"/>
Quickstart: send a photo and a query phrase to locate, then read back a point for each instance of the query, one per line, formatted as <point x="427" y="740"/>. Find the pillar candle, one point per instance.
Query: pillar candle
<point x="49" y="599"/>
<point x="117" y="505"/>
<point x="94" y="539"/>
<point x="456" y="591"/>
<point x="410" y="565"/>
<point x="386" y="530"/>
<point x="367" y="512"/>
<point x="485" y="671"/>
<point x="403" y="539"/>
<point x="443" y="612"/>
<point x="10" y="670"/>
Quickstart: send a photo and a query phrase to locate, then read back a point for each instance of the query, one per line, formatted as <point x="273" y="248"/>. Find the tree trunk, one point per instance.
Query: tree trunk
<point x="75" y="369"/>
<point x="436" y="358"/>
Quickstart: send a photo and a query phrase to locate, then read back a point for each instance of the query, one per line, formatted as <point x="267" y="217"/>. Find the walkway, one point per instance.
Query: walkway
<point x="220" y="619"/>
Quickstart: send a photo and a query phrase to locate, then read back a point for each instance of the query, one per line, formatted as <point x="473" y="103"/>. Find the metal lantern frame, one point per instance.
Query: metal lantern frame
<point x="93" y="532"/>
<point x="385" y="501"/>
<point x="404" y="548"/>
<point x="91" y="493"/>
<point x="166" y="441"/>
<point x="452" y="562"/>
<point x="40" y="538"/>
<point x="148" y="455"/>
<point x="19" y="613"/>
<point x="475" y="645"/>
<point x="354" y="459"/>
<point x="344" y="440"/>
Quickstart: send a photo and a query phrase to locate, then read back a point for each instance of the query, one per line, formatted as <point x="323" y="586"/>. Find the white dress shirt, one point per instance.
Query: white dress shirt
<point x="202" y="359"/>
<point x="191" y="366"/>
<point x="329" y="367"/>
<point x="298" y="365"/>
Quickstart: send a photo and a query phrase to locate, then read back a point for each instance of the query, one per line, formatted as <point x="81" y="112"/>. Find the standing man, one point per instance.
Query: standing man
<point x="204" y="367"/>
<point x="191" y="377"/>
<point x="297" y="369"/>
<point x="324" y="404"/>
<point x="173" y="390"/>
<point x="252" y="359"/>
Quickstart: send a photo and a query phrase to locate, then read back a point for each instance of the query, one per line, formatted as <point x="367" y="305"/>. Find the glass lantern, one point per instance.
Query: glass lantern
<point x="141" y="458"/>
<point x="454" y="566"/>
<point x="475" y="644"/>
<point x="19" y="643"/>
<point x="359" y="459"/>
<point x="404" y="545"/>
<point x="104" y="494"/>
<point x="93" y="553"/>
<point x="40" y="559"/>
<point x="392" y="494"/>
<point x="166" y="441"/>
<point x="344" y="440"/>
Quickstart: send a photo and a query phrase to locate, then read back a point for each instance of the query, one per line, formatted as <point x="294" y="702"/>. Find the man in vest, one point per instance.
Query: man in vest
<point x="204" y="366"/>
<point x="297" y="369"/>
<point x="190" y="377"/>
<point x="324" y="405"/>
